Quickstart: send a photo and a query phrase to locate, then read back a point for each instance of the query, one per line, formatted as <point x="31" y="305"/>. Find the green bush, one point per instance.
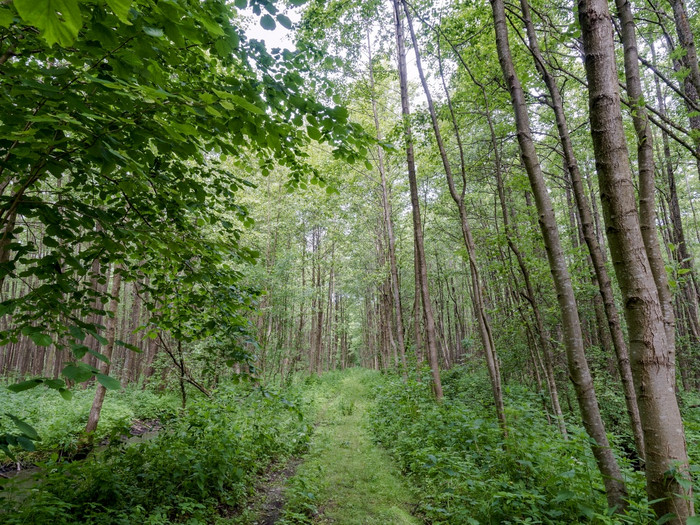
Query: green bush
<point x="60" y="423"/>
<point x="202" y="460"/>
<point x="469" y="474"/>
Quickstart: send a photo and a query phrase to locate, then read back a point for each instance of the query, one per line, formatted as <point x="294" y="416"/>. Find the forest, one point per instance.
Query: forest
<point x="354" y="262"/>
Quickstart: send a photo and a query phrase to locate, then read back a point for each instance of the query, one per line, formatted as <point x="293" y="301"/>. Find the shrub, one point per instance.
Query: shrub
<point x="203" y="459"/>
<point x="469" y="474"/>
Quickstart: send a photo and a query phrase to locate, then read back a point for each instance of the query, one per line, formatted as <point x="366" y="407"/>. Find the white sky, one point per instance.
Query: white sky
<point x="283" y="38"/>
<point x="279" y="37"/>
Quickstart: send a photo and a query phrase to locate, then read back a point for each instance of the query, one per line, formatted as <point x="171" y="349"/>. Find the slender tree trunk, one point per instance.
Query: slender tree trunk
<point x="578" y="366"/>
<point x="417" y="317"/>
<point x="94" y="417"/>
<point x="386" y="204"/>
<point x="477" y="286"/>
<point x="5" y="241"/>
<point x="681" y="254"/>
<point x="687" y="42"/>
<point x="653" y="359"/>
<point x="596" y="255"/>
<point x="415" y="205"/>
<point x="645" y="161"/>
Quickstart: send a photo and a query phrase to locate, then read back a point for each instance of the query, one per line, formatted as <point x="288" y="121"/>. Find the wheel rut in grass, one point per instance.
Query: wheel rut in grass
<point x="345" y="478"/>
<point x="272" y="493"/>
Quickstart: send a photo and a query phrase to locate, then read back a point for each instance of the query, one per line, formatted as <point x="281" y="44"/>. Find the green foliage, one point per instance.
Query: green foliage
<point x="60" y="423"/>
<point x="25" y="439"/>
<point x="128" y="130"/>
<point x="202" y="460"/>
<point x="468" y="473"/>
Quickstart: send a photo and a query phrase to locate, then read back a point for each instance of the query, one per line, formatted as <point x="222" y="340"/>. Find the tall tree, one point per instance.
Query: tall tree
<point x="653" y="359"/>
<point x="615" y="489"/>
<point x="388" y="220"/>
<point x="477" y="288"/>
<point x="420" y="259"/>
<point x="596" y="254"/>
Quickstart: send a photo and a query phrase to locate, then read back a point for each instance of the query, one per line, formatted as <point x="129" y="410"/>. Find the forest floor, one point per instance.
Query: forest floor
<point x="344" y="478"/>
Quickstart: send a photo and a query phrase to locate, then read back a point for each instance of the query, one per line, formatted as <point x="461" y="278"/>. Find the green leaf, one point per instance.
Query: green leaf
<point x="50" y="242"/>
<point x="78" y="373"/>
<point x="212" y="27"/>
<point x="5" y="448"/>
<point x="79" y="350"/>
<point x="240" y="101"/>
<point x="241" y="4"/>
<point x="684" y="483"/>
<point x="26" y="443"/>
<point x="58" y="20"/>
<point x="25" y="385"/>
<point x="28" y="330"/>
<point x="56" y="384"/>
<point x="65" y="394"/>
<point x="131" y="347"/>
<point x="108" y="382"/>
<point x="693" y="520"/>
<point x="76" y="332"/>
<point x="121" y="9"/>
<point x="102" y="340"/>
<point x="313" y="133"/>
<point x="99" y="356"/>
<point x="153" y="31"/>
<point x="6" y="17"/>
<point x="41" y="339"/>
<point x="284" y="21"/>
<point x="24" y="428"/>
<point x="268" y="23"/>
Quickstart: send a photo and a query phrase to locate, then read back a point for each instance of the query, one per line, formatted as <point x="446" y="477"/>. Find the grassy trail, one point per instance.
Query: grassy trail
<point x="345" y="478"/>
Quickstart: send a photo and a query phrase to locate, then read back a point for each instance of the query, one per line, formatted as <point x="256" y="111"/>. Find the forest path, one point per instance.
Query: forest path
<point x="345" y="478"/>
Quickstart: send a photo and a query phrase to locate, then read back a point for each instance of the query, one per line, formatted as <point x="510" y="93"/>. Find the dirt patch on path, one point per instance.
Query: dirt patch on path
<point x="271" y="492"/>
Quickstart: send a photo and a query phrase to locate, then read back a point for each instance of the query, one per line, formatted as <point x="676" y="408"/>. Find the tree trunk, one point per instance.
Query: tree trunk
<point x="578" y="366"/>
<point x="596" y="255"/>
<point x="653" y="359"/>
<point x="415" y="206"/>
<point x="386" y="204"/>
<point x="94" y="417"/>
<point x="477" y="291"/>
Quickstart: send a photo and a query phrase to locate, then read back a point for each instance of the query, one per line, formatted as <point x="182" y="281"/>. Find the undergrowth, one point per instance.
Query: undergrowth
<point x="199" y="466"/>
<point x="60" y="423"/>
<point x="468" y="473"/>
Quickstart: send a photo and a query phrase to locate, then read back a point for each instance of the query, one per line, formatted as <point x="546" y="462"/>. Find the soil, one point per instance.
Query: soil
<point x="271" y="492"/>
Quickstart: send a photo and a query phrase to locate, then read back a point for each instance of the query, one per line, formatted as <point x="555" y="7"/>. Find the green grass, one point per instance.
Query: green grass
<point x="346" y="478"/>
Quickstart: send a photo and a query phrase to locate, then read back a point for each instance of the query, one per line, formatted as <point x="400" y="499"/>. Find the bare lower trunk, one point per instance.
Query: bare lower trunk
<point x="573" y="337"/>
<point x="415" y="206"/>
<point x="596" y="255"/>
<point x="94" y="417"/>
<point x="5" y="241"/>
<point x="653" y="359"/>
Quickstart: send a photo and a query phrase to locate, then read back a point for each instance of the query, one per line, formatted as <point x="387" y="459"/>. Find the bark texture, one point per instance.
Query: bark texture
<point x="596" y="254"/>
<point x="653" y="359"/>
<point x="573" y="337"/>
